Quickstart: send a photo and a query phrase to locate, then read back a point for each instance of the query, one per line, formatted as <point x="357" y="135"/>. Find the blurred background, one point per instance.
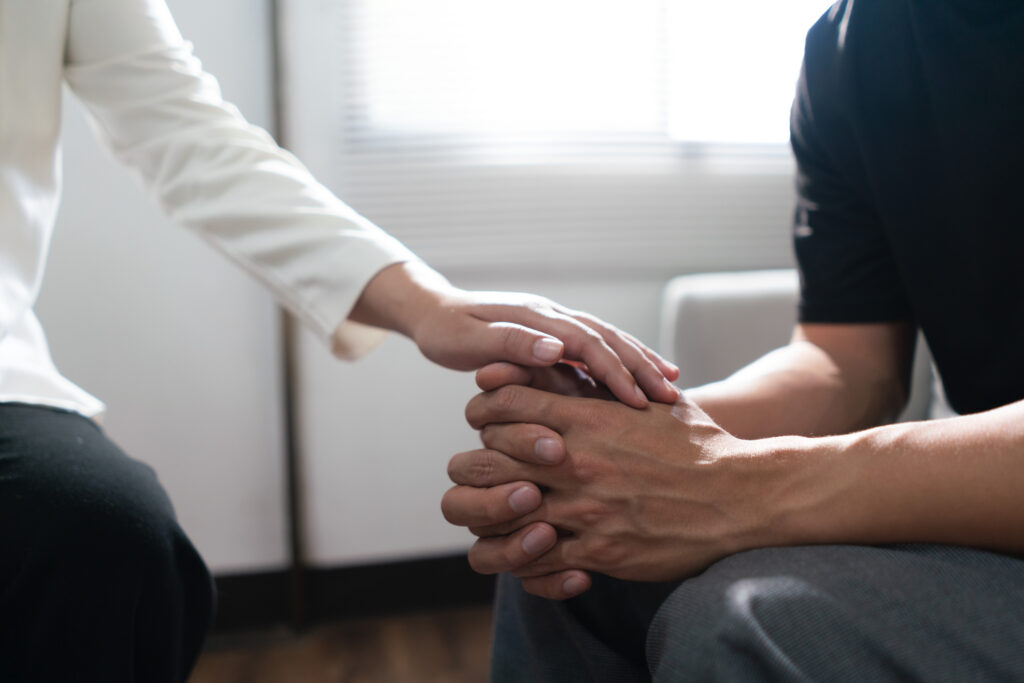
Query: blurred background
<point x="586" y="150"/>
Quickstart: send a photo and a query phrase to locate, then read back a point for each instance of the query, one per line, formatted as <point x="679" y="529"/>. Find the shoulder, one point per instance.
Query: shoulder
<point x="852" y="37"/>
<point x="851" y="55"/>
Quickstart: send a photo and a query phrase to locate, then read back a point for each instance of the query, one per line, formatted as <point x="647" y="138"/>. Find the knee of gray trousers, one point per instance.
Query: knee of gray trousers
<point x="844" y="613"/>
<point x="742" y="630"/>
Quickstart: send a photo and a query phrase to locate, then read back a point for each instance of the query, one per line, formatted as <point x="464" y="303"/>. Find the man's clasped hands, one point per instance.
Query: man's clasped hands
<point x="570" y="481"/>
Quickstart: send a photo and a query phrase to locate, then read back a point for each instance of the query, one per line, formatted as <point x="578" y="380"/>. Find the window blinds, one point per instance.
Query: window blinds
<point x="550" y="133"/>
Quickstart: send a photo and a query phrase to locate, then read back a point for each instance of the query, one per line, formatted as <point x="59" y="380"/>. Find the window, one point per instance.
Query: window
<point x="698" y="71"/>
<point x="734" y="67"/>
<point x="505" y="68"/>
<point x="610" y="131"/>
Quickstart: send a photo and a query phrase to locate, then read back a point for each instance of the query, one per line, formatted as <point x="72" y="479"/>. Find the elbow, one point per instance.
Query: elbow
<point x="888" y="396"/>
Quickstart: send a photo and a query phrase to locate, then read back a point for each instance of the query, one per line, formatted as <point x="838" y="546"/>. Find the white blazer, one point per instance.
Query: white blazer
<point x="153" y="106"/>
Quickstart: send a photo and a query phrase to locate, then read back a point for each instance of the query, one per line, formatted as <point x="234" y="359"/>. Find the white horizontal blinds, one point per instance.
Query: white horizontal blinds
<point x="506" y="70"/>
<point x="534" y="133"/>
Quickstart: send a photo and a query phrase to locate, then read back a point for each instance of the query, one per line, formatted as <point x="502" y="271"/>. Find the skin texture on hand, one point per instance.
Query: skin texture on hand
<point x="649" y="495"/>
<point x="831" y="379"/>
<point x="663" y="492"/>
<point x="466" y="330"/>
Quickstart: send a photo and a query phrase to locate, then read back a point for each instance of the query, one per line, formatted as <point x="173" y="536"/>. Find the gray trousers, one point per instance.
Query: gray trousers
<point x="822" y="613"/>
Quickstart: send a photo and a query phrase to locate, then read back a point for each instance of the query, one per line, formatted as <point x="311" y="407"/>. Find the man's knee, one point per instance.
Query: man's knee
<point x="730" y="624"/>
<point x="844" y="613"/>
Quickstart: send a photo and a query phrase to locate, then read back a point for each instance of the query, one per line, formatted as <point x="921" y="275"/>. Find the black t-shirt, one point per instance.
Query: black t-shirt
<point x="908" y="129"/>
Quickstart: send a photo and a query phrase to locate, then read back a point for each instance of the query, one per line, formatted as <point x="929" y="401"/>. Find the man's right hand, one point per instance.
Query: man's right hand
<point x="482" y="503"/>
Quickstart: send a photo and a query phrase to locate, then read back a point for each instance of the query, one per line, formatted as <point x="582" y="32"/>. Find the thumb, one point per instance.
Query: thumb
<point x="562" y="378"/>
<point x="521" y="345"/>
<point x="471" y="346"/>
<point x="495" y="375"/>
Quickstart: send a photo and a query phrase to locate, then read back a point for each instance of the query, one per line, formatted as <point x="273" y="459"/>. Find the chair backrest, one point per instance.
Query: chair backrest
<point x="712" y="324"/>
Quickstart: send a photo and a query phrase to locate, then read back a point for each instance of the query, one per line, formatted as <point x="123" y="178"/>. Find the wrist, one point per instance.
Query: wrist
<point x="802" y="487"/>
<point x="402" y="296"/>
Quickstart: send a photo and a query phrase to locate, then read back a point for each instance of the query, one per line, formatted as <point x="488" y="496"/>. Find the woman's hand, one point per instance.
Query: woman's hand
<point x="466" y="330"/>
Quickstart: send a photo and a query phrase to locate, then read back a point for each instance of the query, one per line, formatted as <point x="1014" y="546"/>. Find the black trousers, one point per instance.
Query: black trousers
<point x="97" y="580"/>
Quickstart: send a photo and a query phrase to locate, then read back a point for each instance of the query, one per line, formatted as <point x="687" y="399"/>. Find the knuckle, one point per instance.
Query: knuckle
<point x="650" y="367"/>
<point x="482" y="468"/>
<point x="488" y="435"/>
<point x="580" y="339"/>
<point x="591" y="513"/>
<point x="586" y="469"/>
<point x="636" y="358"/>
<point x="599" y="335"/>
<point x="592" y="338"/>
<point x="603" y="551"/>
<point x="512" y="339"/>
<point x="538" y="304"/>
<point x="588" y="319"/>
<point x="507" y="398"/>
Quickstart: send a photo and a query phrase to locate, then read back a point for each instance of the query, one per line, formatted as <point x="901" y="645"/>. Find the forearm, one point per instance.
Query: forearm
<point x="797" y="390"/>
<point x="955" y="481"/>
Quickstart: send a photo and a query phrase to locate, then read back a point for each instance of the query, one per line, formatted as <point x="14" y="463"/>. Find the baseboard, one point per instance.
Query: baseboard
<point x="264" y="600"/>
<point x="252" y="601"/>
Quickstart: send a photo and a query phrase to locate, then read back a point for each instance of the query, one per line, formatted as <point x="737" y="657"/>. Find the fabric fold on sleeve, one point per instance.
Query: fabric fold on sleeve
<point x="156" y="109"/>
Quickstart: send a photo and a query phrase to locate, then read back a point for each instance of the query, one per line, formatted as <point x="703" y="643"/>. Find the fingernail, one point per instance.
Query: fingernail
<point x="548" y="450"/>
<point x="640" y="394"/>
<point x="547" y="350"/>
<point x="672" y="387"/>
<point x="524" y="499"/>
<point x="536" y="541"/>
<point x="574" y="585"/>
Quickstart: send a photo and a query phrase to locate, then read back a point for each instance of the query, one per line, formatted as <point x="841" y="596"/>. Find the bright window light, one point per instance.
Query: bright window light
<point x="496" y="66"/>
<point x="688" y="70"/>
<point x="734" y="67"/>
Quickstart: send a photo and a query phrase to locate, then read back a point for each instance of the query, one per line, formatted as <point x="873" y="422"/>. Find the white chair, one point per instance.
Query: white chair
<point x="712" y="324"/>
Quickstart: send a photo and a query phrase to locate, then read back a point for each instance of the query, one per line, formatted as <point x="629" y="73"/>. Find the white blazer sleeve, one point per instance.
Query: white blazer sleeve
<point x="161" y="114"/>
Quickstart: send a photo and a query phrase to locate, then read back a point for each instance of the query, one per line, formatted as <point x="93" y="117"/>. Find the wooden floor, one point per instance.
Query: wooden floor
<point x="452" y="646"/>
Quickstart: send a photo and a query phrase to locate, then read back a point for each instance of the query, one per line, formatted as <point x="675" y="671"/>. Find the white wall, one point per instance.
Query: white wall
<point x="182" y="347"/>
